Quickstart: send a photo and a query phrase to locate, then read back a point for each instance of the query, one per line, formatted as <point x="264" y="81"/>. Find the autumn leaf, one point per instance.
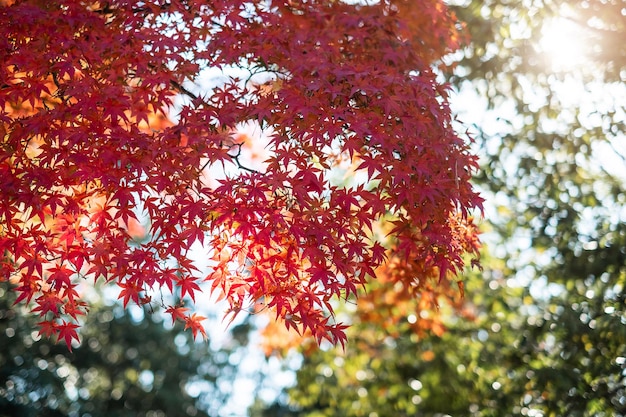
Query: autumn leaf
<point x="177" y="313"/>
<point x="47" y="328"/>
<point x="188" y="286"/>
<point x="67" y="332"/>
<point x="193" y="322"/>
<point x="130" y="291"/>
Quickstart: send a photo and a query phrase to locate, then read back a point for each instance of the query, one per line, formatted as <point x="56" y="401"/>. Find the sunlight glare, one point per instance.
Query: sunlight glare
<point x="563" y="44"/>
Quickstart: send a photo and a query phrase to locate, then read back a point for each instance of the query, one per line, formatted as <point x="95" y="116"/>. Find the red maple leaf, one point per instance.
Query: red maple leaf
<point x="130" y="291"/>
<point x="188" y="285"/>
<point x="177" y="313"/>
<point x="194" y="322"/>
<point x="67" y="331"/>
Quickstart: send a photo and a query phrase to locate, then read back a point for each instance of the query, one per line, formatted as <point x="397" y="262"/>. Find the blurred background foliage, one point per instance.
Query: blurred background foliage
<point x="127" y="365"/>
<point x="542" y="329"/>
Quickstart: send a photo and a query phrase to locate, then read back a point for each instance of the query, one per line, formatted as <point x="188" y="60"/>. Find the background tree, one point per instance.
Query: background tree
<point x="125" y="367"/>
<point x="329" y="85"/>
<point x="542" y="329"/>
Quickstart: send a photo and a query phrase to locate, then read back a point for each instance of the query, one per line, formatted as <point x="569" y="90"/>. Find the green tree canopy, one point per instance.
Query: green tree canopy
<point x="125" y="366"/>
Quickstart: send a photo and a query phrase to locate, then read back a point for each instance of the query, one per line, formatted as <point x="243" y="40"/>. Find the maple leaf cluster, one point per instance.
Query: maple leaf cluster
<point x="98" y="185"/>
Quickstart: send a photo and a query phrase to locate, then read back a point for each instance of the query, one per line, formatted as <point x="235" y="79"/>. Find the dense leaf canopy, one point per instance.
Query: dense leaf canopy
<point x="96" y="186"/>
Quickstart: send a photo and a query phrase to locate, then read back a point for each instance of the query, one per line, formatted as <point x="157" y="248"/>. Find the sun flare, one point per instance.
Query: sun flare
<point x="563" y="44"/>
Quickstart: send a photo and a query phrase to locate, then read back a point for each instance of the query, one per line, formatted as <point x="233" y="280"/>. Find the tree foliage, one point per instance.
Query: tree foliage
<point x="95" y="186"/>
<point x="542" y="330"/>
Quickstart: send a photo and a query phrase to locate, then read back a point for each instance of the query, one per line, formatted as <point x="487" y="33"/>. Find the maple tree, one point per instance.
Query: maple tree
<point x="97" y="184"/>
